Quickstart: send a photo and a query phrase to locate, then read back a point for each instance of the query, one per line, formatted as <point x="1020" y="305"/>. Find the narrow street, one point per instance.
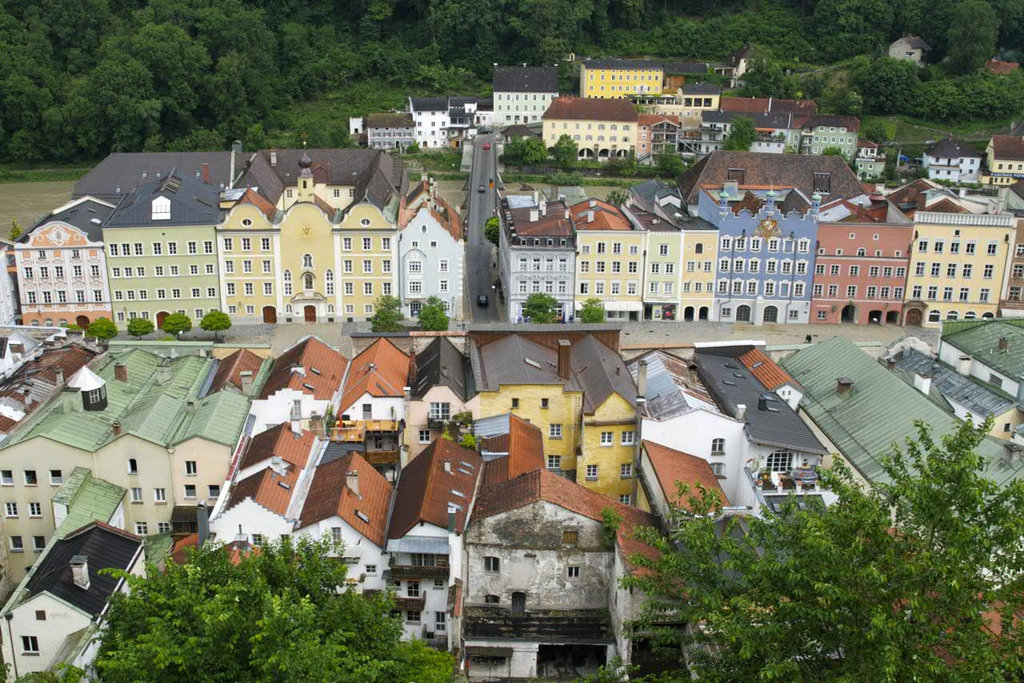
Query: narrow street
<point x="480" y="275"/>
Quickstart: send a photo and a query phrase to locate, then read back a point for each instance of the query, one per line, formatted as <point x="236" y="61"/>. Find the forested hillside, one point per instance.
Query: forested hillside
<point x="80" y="78"/>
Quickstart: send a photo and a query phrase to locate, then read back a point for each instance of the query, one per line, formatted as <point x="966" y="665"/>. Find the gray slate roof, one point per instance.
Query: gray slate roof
<point x="87" y="215"/>
<point x="701" y="89"/>
<point x="952" y="149"/>
<point x="950" y="385"/>
<point x="441" y="363"/>
<point x="671" y="390"/>
<point x="429" y="103"/>
<point x="105" y="547"/>
<point x="981" y="342"/>
<point x="731" y="384"/>
<point x="543" y="79"/>
<point x="193" y="202"/>
<point x="119" y="173"/>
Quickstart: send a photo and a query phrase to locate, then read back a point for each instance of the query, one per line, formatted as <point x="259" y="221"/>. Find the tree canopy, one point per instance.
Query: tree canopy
<point x="433" y="316"/>
<point x="139" y="327"/>
<point x="540" y="308"/>
<point x="914" y="579"/>
<point x="276" y="615"/>
<point x="741" y="134"/>
<point x="387" y="316"/>
<point x="592" y="311"/>
<point x="102" y="328"/>
<point x="525" y="151"/>
<point x="565" y="151"/>
<point x="492" y="230"/>
<point x="176" y="323"/>
<point x="216" y="322"/>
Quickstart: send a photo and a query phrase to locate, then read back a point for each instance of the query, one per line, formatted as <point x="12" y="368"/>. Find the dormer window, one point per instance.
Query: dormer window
<point x="161" y="209"/>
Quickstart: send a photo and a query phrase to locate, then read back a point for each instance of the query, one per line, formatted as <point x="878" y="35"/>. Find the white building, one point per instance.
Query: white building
<point x="431" y="251"/>
<point x="304" y="381"/>
<point x="430" y="114"/>
<point x="522" y="93"/>
<point x="56" y="614"/>
<point x="954" y="161"/>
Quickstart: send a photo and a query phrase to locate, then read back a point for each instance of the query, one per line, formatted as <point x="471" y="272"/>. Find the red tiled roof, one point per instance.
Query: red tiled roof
<point x="946" y="205"/>
<point x="591" y="109"/>
<point x="330" y="495"/>
<point x="552" y="222"/>
<point x="757" y="105"/>
<point x="605" y="216"/>
<point x="767" y="371"/>
<point x="323" y="368"/>
<point x="266" y="488"/>
<point x="651" y="119"/>
<point x="251" y="196"/>
<point x="867" y="143"/>
<point x="381" y="370"/>
<point x="230" y="369"/>
<point x="673" y="467"/>
<point x="524" y="444"/>
<point x="1008" y="147"/>
<point x="236" y="550"/>
<point x="42" y="372"/>
<point x="750" y="202"/>
<point x="426" y="488"/>
<point x="280" y="441"/>
<point x="1000" y="68"/>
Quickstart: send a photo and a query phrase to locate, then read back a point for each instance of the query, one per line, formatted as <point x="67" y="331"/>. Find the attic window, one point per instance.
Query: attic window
<point x="823" y="183"/>
<point x="460" y="494"/>
<point x="161" y="209"/>
<point x="738" y="374"/>
<point x="309" y="386"/>
<point x="465" y="464"/>
<point x="283" y="485"/>
<point x="314" y="371"/>
<point x="362" y="515"/>
<point x="732" y="366"/>
<point x="728" y="383"/>
<point x="736" y="174"/>
<point x="758" y="364"/>
<point x="532" y="363"/>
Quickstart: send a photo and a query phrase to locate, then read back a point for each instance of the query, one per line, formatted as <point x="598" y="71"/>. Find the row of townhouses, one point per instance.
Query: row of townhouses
<point x="762" y="238"/>
<point x="269" y="236"/>
<point x="467" y="475"/>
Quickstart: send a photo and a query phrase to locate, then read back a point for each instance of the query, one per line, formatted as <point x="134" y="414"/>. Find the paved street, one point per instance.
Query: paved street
<point x="480" y="275"/>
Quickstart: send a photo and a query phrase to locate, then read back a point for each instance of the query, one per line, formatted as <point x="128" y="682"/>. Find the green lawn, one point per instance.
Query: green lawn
<point x="906" y="130"/>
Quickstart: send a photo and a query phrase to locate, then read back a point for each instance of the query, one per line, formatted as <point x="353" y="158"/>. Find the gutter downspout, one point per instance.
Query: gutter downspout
<point x="10" y="639"/>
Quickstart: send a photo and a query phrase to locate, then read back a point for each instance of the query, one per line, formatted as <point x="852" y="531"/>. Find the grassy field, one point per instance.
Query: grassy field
<point x="27" y="202"/>
<point x="905" y="130"/>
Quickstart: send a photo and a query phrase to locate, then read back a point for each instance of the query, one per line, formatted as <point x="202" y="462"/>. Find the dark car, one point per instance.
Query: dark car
<point x="485" y="131"/>
<point x="481" y="189"/>
<point x="482" y="300"/>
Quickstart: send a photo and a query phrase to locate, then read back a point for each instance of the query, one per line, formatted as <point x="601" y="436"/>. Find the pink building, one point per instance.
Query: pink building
<point x="860" y="274"/>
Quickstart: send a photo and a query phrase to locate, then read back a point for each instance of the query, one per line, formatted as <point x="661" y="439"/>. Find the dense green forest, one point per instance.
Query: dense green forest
<point x="80" y="78"/>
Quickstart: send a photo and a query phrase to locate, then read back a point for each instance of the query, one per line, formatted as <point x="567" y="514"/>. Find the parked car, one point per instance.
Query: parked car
<point x="487" y="145"/>
<point x="482" y="300"/>
<point x="481" y="189"/>
<point x="485" y="131"/>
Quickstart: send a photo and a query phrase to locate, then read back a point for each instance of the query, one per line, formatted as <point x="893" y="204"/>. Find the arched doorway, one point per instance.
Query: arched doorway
<point x="82" y="321"/>
<point x="309" y="312"/>
<point x="270" y="315"/>
<point x="892" y="318"/>
<point x="160" y="317"/>
<point x="688" y="313"/>
<point x="771" y="314"/>
<point x="849" y="314"/>
<point x="703" y="313"/>
<point x="913" y="317"/>
<point x="875" y="317"/>
<point x="743" y="314"/>
<point x="987" y="316"/>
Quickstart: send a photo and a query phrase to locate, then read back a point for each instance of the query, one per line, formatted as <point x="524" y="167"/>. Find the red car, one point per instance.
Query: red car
<point x="487" y="145"/>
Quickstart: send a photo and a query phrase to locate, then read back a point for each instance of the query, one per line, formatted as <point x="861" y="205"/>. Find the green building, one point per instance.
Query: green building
<point x="162" y="251"/>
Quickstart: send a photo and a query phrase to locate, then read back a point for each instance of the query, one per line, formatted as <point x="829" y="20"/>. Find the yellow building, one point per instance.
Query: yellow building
<point x="1005" y="155"/>
<point x="619" y="78"/>
<point x="700" y="251"/>
<point x="958" y="264"/>
<point x="609" y="260"/>
<point x="250" y="245"/>
<point x="688" y="103"/>
<point x="310" y="235"/>
<point x="366" y="243"/>
<point x="576" y="390"/>
<point x="601" y="129"/>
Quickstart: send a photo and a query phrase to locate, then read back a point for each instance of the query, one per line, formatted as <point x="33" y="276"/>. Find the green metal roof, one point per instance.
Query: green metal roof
<point x="88" y="498"/>
<point x="218" y="417"/>
<point x="153" y="405"/>
<point x="878" y="412"/>
<point x="158" y="548"/>
<point x="981" y="342"/>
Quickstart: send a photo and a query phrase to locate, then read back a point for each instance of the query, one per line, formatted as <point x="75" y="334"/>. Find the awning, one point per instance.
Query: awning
<point x="434" y="546"/>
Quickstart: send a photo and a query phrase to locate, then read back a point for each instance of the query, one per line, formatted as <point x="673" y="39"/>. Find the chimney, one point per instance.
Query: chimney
<point x="567" y="213"/>
<point x="26" y="394"/>
<point x="80" y="571"/>
<point x="245" y="378"/>
<point x="564" y="345"/>
<point x="121" y="372"/>
<point x="60" y="377"/>
<point x="316" y="425"/>
<point x="1004" y="343"/>
<point x="116" y="427"/>
<point x="641" y="377"/>
<point x="413" y="369"/>
<point x="534" y="215"/>
<point x="447" y="464"/>
<point x="206" y="173"/>
<point x="923" y="383"/>
<point x="593" y="203"/>
<point x="963" y="365"/>
<point x="590" y="216"/>
<point x="843" y="385"/>
<point x="762" y="403"/>
<point x="352" y="481"/>
<point x="544" y="207"/>
<point x="202" y="524"/>
<point x="236" y="148"/>
<point x="451" y="521"/>
<point x="273" y="157"/>
<point x="71" y="400"/>
<point x="741" y="411"/>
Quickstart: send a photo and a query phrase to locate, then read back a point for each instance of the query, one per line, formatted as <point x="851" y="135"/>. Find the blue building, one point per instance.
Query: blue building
<point x="767" y="242"/>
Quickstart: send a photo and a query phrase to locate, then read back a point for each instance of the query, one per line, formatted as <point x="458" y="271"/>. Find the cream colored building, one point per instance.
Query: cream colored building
<point x="601" y="129"/>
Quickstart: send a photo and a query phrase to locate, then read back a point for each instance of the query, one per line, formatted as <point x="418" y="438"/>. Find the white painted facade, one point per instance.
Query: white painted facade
<point x="521" y="107"/>
<point x="964" y="169"/>
<point x="365" y="560"/>
<point x="426" y="539"/>
<point x="430" y="264"/>
<point x="368" y="407"/>
<point x="967" y="365"/>
<point x="431" y="129"/>
<point x="286" y="405"/>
